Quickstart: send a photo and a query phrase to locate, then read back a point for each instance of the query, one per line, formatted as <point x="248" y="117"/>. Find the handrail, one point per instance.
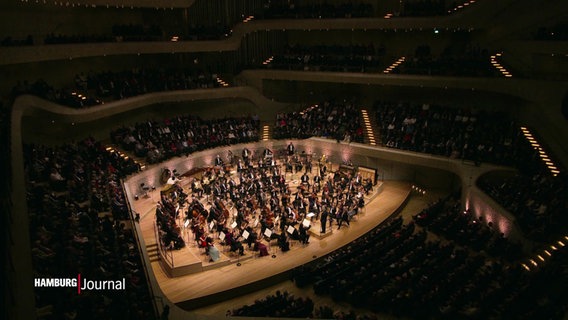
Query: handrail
<point x="162" y="248"/>
<point x="140" y="252"/>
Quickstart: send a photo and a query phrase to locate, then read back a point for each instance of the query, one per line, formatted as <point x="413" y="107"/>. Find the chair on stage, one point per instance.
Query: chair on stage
<point x="144" y="190"/>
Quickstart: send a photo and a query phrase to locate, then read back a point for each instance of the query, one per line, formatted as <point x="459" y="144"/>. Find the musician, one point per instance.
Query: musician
<point x="304" y="236"/>
<point x="213" y="252"/>
<point x="246" y="155"/>
<point x="305" y="180"/>
<point x="218" y="161"/>
<point x="290" y="149"/>
<point x="289" y="165"/>
<point x="252" y="238"/>
<point x="343" y="215"/>
<point x="196" y="187"/>
<point x="323" y="170"/>
<point x="240" y="166"/>
<point x="368" y="186"/>
<point x="283" y="242"/>
<point x="230" y="157"/>
<point x="267" y="153"/>
<point x="323" y="219"/>
<point x="309" y="164"/>
<point x="236" y="244"/>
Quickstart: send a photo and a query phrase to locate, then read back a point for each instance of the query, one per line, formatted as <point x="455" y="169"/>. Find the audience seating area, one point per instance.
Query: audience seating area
<point x="538" y="202"/>
<point x="284" y="9"/>
<point x="158" y="141"/>
<point x="281" y="305"/>
<point x="335" y="120"/>
<point x="285" y="305"/>
<point x="134" y="33"/>
<point x="470" y="61"/>
<point x="394" y="269"/>
<point x="93" y="89"/>
<point x="353" y="58"/>
<point x="447" y="219"/>
<point x="77" y="208"/>
<point x="453" y="132"/>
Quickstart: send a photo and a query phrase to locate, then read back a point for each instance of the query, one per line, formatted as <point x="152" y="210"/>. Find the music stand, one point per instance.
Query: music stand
<point x="268" y="233"/>
<point x="222" y="238"/>
<point x="186" y="229"/>
<point x="245" y="236"/>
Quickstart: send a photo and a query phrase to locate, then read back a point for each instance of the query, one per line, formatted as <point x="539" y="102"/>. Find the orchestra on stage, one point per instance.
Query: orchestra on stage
<point x="255" y="201"/>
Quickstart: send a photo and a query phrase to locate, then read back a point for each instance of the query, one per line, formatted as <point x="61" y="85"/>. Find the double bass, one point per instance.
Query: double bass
<point x="224" y="212"/>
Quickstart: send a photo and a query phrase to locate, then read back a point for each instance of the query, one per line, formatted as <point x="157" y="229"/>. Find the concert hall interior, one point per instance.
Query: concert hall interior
<point x="328" y="159"/>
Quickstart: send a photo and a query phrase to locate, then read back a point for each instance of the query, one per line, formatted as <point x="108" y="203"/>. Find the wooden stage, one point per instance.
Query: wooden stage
<point x="201" y="283"/>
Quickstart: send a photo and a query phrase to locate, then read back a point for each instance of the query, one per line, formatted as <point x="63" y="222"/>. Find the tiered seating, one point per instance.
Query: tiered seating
<point x="76" y="205"/>
<point x="336" y="120"/>
<point x="353" y="58"/>
<point x="281" y="305"/>
<point x="470" y="61"/>
<point x="538" y="202"/>
<point x="283" y="9"/>
<point x="92" y="89"/>
<point x="11" y="42"/>
<point x="535" y="194"/>
<point x="393" y="269"/>
<point x="285" y="305"/>
<point x="132" y="33"/>
<point x="138" y="81"/>
<point x="447" y="219"/>
<point x="456" y="133"/>
<point x="158" y="141"/>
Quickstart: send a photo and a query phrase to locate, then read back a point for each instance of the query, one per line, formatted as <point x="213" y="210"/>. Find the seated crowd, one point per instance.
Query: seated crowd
<point x="42" y="89"/>
<point x="353" y="58"/>
<point x="136" y="33"/>
<point x="138" y="81"/>
<point x="534" y="195"/>
<point x="334" y="120"/>
<point x="281" y="305"/>
<point x="285" y="305"/>
<point x="394" y="269"/>
<point x="284" y="9"/>
<point x="77" y="207"/>
<point x="538" y="201"/>
<point x="12" y="42"/>
<point x="453" y="132"/>
<point x="470" y="61"/>
<point x="182" y="135"/>
<point x="93" y="89"/>
<point x="446" y="218"/>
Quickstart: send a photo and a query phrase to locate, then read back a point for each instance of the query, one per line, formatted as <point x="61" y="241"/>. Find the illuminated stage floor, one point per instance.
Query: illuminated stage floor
<point x="209" y="283"/>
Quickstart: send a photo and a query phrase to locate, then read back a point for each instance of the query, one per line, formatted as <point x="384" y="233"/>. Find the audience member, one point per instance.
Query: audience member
<point x="80" y="229"/>
<point x="335" y="120"/>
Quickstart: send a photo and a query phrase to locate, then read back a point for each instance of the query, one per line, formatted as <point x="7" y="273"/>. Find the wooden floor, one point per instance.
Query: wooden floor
<point x="205" y="287"/>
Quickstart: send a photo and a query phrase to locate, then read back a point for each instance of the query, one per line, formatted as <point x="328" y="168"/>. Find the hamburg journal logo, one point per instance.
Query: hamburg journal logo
<point x="82" y="284"/>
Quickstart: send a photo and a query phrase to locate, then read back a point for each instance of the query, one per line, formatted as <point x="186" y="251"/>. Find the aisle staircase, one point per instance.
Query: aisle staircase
<point x="111" y="147"/>
<point x="266" y="131"/>
<point x="372" y="132"/>
<point x="153" y="254"/>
